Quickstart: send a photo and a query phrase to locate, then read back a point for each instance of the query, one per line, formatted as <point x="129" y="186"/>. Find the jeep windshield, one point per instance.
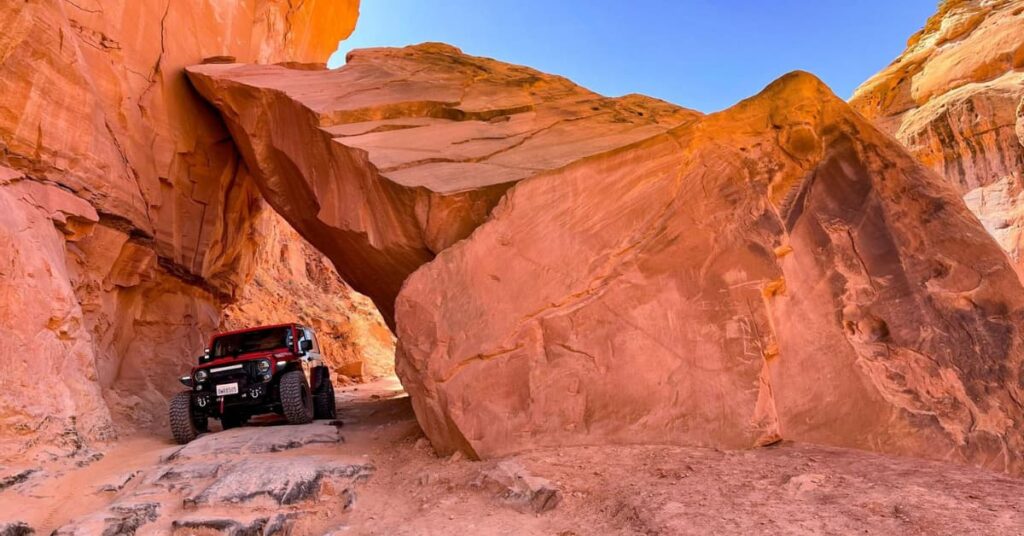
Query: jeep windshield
<point x="251" y="341"/>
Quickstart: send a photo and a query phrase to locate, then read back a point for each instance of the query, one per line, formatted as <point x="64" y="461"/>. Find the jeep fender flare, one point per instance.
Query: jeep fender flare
<point x="319" y="375"/>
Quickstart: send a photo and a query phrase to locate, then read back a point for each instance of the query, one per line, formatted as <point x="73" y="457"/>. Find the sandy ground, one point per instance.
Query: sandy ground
<point x="402" y="488"/>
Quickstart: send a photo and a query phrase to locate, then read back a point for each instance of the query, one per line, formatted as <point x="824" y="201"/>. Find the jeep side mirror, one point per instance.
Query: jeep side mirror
<point x="305" y="346"/>
<point x="186" y="380"/>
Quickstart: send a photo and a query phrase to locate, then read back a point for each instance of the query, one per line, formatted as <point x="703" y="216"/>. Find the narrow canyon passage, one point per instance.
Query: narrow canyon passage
<point x="139" y="479"/>
<point x="545" y="310"/>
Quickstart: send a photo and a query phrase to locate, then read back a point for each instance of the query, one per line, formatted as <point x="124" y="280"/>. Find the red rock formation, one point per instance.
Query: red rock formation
<point x="41" y="322"/>
<point x="402" y="153"/>
<point x="954" y="99"/>
<point x="780" y="270"/>
<point x="101" y="134"/>
<point x="294" y="282"/>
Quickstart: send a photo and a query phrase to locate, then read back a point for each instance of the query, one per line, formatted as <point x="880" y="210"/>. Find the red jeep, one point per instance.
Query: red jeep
<point x="270" y="369"/>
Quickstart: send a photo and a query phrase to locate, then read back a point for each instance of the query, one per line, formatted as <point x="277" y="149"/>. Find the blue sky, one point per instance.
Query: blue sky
<point x="702" y="54"/>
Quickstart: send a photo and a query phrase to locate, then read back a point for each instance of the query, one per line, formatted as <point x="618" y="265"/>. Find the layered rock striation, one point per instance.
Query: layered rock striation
<point x="571" y="269"/>
<point x="127" y="212"/>
<point x="955" y="99"/>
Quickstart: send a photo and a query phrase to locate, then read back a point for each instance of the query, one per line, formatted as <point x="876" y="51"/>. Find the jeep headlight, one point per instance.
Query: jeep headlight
<point x="263" y="365"/>
<point x="202" y="376"/>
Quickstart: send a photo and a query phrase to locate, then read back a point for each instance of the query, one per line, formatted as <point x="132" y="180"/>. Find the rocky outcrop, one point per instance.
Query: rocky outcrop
<point x="120" y="518"/>
<point x="264" y="479"/>
<point x="125" y="208"/>
<point x="292" y="282"/>
<point x="577" y="270"/>
<point x="954" y="99"/>
<point x="390" y="160"/>
<point x="513" y="485"/>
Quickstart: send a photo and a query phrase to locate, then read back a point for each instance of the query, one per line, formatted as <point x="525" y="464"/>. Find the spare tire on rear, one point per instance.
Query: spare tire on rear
<point x="296" y="399"/>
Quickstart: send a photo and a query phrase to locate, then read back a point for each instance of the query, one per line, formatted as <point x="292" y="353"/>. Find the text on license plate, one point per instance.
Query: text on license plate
<point x="227" y="389"/>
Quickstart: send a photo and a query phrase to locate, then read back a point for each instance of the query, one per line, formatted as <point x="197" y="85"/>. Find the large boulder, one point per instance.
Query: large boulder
<point x="571" y="269"/>
<point x="954" y="98"/>
<point x="779" y="270"/>
<point x="403" y="152"/>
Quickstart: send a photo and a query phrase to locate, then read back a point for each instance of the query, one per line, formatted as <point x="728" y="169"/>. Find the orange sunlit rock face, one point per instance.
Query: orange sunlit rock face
<point x="388" y="161"/>
<point x="955" y="99"/>
<point x="779" y="270"/>
<point x="127" y="212"/>
<point x="571" y="269"/>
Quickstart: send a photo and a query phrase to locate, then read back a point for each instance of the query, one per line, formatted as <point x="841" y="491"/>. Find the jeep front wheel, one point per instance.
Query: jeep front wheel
<point x="296" y="400"/>
<point x="183" y="421"/>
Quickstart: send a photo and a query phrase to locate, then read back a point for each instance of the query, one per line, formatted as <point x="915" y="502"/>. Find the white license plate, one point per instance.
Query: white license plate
<point x="227" y="389"/>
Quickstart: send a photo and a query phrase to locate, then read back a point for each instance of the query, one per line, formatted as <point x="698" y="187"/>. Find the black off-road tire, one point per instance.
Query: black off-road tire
<point x="324" y="405"/>
<point x="296" y="398"/>
<point x="233" y="420"/>
<point x="183" y="423"/>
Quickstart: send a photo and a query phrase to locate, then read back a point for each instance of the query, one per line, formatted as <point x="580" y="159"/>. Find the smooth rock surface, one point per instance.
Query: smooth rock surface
<point x="778" y="270"/>
<point x="243" y="441"/>
<point x="954" y="99"/>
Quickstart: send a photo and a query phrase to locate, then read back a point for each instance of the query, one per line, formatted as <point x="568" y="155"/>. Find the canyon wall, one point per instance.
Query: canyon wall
<point x="955" y="99"/>
<point x="128" y="217"/>
<point x="564" y="268"/>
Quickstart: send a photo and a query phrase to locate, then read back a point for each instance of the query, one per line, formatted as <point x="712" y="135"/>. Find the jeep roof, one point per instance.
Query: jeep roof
<point x="256" y="328"/>
<point x="212" y="360"/>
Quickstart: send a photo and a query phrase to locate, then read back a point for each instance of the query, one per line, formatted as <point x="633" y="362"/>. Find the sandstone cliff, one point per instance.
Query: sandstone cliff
<point x="572" y="269"/>
<point x="126" y="210"/>
<point x="955" y="99"/>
